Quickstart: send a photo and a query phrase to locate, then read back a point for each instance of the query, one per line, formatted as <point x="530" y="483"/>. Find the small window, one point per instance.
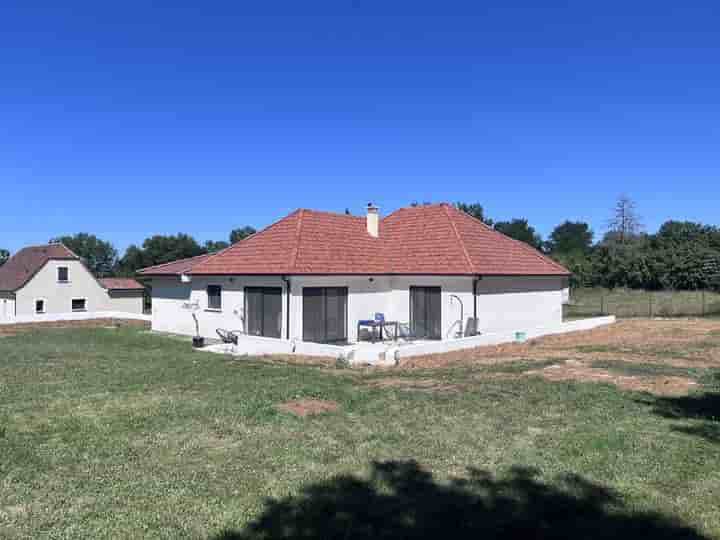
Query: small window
<point x="78" y="304"/>
<point x="214" y="297"/>
<point x="62" y="274"/>
<point x="39" y="306"/>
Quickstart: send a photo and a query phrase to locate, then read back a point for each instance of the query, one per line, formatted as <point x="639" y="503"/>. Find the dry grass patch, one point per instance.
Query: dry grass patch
<point x="307" y="406"/>
<point x="415" y="384"/>
<point x="577" y="371"/>
<point x="673" y="342"/>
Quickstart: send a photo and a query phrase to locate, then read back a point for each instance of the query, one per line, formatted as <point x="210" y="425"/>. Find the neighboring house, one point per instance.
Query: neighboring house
<point x="50" y="282"/>
<point x="312" y="275"/>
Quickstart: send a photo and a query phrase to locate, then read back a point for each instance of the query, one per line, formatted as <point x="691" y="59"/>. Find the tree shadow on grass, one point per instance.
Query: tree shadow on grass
<point x="703" y="409"/>
<point x="400" y="500"/>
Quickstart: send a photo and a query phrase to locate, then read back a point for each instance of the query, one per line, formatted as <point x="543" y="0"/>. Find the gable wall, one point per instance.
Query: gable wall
<point x="58" y="296"/>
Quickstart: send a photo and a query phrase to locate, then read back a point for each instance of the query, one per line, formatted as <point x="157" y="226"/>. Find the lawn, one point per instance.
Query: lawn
<point x="119" y="433"/>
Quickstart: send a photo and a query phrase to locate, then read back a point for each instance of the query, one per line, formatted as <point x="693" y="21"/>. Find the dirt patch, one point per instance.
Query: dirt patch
<point x="307" y="406"/>
<point x="577" y="371"/>
<point x="414" y="384"/>
<point x="673" y="342"/>
<point x="325" y="361"/>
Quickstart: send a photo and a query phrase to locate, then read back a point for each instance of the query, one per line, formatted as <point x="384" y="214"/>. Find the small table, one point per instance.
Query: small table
<point x="375" y="325"/>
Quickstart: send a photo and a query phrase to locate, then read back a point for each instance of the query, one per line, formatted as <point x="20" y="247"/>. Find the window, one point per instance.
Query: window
<point x="78" y="304"/>
<point x="214" y="297"/>
<point x="62" y="274"/>
<point x="39" y="306"/>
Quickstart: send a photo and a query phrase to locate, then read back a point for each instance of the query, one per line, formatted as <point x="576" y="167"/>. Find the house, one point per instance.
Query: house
<point x="312" y="276"/>
<point x="50" y="283"/>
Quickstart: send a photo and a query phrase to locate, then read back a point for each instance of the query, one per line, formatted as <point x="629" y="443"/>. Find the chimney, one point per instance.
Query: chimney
<point x="372" y="220"/>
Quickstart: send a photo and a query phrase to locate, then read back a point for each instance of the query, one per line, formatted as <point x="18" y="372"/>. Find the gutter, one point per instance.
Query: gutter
<point x="287" y="306"/>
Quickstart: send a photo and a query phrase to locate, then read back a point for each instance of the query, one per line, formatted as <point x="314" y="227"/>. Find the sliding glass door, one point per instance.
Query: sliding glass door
<point x="325" y="314"/>
<point x="263" y="311"/>
<point x="425" y="312"/>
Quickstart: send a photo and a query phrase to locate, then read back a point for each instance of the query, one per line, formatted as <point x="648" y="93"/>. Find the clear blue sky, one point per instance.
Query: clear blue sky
<point x="125" y="119"/>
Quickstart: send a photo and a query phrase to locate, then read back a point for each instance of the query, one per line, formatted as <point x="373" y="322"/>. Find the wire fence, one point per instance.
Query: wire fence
<point x="625" y="303"/>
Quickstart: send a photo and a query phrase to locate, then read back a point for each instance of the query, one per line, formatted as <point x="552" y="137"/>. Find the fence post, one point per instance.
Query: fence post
<point x="703" y="302"/>
<point x="602" y="304"/>
<point x="650" y="304"/>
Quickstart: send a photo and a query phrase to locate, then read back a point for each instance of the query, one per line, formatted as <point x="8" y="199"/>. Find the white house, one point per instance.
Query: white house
<point x="51" y="283"/>
<point x="312" y="276"/>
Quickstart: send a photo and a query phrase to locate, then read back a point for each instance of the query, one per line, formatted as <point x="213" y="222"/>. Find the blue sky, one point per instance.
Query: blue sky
<point x="127" y="119"/>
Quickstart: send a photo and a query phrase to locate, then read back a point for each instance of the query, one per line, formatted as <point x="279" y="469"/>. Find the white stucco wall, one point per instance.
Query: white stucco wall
<point x="58" y="296"/>
<point x="169" y="295"/>
<point x="126" y="301"/>
<point x="518" y="302"/>
<point x="504" y="303"/>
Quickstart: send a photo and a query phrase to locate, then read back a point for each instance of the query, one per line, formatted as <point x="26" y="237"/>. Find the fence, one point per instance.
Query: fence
<point x="638" y="303"/>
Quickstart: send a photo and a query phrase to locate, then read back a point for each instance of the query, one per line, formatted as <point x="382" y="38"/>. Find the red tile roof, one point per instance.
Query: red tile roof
<point x="120" y="284"/>
<point x="22" y="266"/>
<point x="428" y="239"/>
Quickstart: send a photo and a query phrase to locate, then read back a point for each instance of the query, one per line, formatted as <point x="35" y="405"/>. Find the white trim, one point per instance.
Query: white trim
<point x="44" y="310"/>
<point x="84" y="299"/>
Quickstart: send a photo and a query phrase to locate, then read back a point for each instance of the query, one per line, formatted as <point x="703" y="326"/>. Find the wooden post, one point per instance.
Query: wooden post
<point x="602" y="304"/>
<point x="703" y="302"/>
<point x="650" y="304"/>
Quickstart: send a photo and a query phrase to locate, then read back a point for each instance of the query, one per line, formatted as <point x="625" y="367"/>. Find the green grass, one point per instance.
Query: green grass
<point x="123" y="434"/>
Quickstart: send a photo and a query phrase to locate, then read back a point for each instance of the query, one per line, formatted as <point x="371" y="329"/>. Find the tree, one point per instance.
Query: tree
<point x="4" y="256"/>
<point x="239" y="234"/>
<point x="475" y="210"/>
<point x="520" y="229"/>
<point x="159" y="249"/>
<point x="570" y="237"/>
<point x="625" y="221"/>
<point x="99" y="256"/>
<point x="211" y="246"/>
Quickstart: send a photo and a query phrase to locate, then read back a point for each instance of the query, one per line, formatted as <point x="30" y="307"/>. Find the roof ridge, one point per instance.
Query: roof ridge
<point x="523" y="245"/>
<point x="329" y="212"/>
<point x="47" y="245"/>
<point x="296" y="248"/>
<point x="471" y="266"/>
<point x="173" y="262"/>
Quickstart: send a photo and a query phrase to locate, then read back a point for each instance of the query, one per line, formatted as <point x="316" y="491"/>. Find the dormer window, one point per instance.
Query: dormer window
<point x="62" y="274"/>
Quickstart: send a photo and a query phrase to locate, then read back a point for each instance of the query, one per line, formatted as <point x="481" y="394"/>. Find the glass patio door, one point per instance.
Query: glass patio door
<point x="425" y="312"/>
<point x="325" y="314"/>
<point x="263" y="311"/>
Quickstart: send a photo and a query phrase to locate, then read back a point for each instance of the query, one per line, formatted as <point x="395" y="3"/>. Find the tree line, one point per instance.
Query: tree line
<point x="680" y="255"/>
<point x="102" y="258"/>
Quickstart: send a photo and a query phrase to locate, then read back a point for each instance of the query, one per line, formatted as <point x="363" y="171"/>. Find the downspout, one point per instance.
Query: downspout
<point x="475" y="283"/>
<point x="287" y="307"/>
